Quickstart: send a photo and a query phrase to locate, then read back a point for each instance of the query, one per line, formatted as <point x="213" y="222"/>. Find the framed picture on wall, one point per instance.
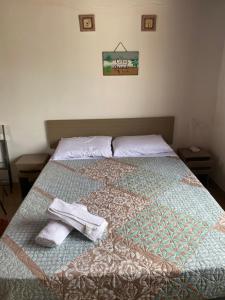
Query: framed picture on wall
<point x="148" y="23"/>
<point x="87" y="22"/>
<point x="120" y="63"/>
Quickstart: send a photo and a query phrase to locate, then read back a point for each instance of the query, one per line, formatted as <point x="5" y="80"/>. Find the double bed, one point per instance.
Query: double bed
<point x="166" y="233"/>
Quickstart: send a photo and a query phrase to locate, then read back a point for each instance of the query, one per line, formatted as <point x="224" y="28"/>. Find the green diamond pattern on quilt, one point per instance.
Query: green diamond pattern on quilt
<point x="23" y="285"/>
<point x="145" y="182"/>
<point x="166" y="235"/>
<point x="191" y="199"/>
<point x="163" y="232"/>
<point x="206" y="264"/>
<point x="172" y="167"/>
<point x="66" y="184"/>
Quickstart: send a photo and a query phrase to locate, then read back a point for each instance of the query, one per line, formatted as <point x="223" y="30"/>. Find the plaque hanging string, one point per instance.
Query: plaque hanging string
<point x="120" y="43"/>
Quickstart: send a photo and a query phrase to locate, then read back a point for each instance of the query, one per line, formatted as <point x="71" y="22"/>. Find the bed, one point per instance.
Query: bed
<point x="166" y="234"/>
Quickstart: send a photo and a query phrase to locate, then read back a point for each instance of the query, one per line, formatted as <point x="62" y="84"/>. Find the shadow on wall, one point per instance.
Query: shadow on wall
<point x="199" y="132"/>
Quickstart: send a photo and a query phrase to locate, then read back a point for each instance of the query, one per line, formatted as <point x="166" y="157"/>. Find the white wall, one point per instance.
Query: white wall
<point x="218" y="138"/>
<point x="206" y="64"/>
<point x="51" y="70"/>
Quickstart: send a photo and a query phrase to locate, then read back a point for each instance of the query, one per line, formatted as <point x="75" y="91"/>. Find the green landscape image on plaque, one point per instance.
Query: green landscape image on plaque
<point x="120" y="63"/>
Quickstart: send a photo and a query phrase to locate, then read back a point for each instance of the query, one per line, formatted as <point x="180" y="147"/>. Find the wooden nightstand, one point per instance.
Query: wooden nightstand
<point x="200" y="163"/>
<point x="29" y="167"/>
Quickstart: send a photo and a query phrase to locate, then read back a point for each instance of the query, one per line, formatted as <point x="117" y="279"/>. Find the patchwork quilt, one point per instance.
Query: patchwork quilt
<point x="166" y="235"/>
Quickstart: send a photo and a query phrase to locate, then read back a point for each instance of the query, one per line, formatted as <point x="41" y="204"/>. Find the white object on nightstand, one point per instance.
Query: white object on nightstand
<point x="194" y="149"/>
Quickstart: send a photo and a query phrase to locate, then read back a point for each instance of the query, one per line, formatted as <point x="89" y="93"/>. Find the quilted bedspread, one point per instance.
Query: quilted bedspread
<point x="166" y="235"/>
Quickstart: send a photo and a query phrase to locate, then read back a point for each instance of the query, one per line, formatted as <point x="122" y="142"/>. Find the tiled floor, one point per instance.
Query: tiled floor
<point x="13" y="200"/>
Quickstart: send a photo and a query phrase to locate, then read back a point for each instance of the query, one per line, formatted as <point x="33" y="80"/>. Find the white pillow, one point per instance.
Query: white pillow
<point x="83" y="147"/>
<point x="139" y="145"/>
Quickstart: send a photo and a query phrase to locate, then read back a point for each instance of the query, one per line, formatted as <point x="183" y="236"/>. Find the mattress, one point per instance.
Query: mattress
<point x="166" y="235"/>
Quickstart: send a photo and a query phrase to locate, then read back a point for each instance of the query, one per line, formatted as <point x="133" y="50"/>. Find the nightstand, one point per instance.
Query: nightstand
<point x="200" y="163"/>
<point x="29" y="167"/>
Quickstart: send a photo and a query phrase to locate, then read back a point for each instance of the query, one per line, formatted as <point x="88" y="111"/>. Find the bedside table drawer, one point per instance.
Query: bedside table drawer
<point x="30" y="176"/>
<point x="201" y="171"/>
<point x="197" y="164"/>
<point x="200" y="163"/>
<point x="28" y="168"/>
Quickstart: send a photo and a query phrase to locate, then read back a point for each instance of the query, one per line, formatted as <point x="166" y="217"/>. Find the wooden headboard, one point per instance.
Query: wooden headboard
<point x="112" y="127"/>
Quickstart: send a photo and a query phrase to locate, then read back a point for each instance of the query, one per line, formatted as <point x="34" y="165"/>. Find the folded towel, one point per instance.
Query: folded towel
<point x="55" y="232"/>
<point x="88" y="224"/>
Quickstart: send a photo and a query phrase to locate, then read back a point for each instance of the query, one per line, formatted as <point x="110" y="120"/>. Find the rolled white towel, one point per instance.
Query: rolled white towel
<point x="88" y="224"/>
<point x="55" y="232"/>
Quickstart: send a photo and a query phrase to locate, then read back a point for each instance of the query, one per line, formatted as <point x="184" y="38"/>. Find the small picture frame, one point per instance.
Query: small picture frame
<point x="148" y="23"/>
<point x="87" y="22"/>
